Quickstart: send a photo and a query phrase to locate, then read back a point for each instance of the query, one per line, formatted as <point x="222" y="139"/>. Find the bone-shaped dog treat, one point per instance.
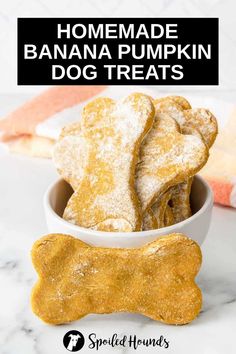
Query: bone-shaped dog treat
<point x="199" y="118"/>
<point x="174" y="105"/>
<point x="105" y="198"/>
<point x="156" y="280"/>
<point x="167" y="158"/>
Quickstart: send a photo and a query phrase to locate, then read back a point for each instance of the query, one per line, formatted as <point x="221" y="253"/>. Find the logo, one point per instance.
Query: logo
<point x="73" y="341"/>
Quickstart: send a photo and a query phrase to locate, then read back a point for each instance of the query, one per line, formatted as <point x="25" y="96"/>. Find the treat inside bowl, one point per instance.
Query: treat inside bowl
<point x="196" y="226"/>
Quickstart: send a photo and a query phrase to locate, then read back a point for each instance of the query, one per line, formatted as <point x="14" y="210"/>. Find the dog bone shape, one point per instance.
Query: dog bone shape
<point x="105" y="199"/>
<point x="167" y="158"/>
<point x="199" y="118"/>
<point x="156" y="280"/>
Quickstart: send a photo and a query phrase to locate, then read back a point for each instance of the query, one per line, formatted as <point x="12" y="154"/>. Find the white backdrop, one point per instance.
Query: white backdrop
<point x="224" y="9"/>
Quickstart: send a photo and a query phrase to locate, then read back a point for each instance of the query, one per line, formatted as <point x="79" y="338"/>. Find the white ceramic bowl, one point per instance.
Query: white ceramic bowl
<point x="195" y="227"/>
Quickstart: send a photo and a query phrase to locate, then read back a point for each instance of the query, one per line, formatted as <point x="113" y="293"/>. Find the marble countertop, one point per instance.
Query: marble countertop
<point x="23" y="181"/>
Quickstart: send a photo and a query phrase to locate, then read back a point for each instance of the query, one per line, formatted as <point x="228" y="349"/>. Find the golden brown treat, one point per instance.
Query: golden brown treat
<point x="168" y="217"/>
<point x="189" y="130"/>
<point x="167" y="158"/>
<point x="199" y="118"/>
<point x="105" y="198"/>
<point x="159" y="208"/>
<point x="156" y="280"/>
<point x="203" y="120"/>
<point x="180" y="201"/>
<point x="70" y="156"/>
<point x="149" y="221"/>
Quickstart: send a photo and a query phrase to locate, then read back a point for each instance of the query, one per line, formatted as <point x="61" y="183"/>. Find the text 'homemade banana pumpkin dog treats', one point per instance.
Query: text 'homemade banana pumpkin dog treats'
<point x="156" y="280"/>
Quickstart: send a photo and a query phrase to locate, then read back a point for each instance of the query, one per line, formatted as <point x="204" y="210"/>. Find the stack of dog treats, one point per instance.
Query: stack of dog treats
<point x="131" y="163"/>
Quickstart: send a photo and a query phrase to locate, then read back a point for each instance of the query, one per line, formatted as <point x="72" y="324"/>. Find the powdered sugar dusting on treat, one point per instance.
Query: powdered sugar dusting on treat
<point x="107" y="192"/>
<point x="205" y="122"/>
<point x="100" y="154"/>
<point x="129" y="120"/>
<point x="199" y="118"/>
<point x="174" y="110"/>
<point x="167" y="158"/>
<point x="70" y="155"/>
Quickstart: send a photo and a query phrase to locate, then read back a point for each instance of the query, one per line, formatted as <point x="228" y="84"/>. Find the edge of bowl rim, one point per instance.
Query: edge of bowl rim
<point x="164" y="230"/>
